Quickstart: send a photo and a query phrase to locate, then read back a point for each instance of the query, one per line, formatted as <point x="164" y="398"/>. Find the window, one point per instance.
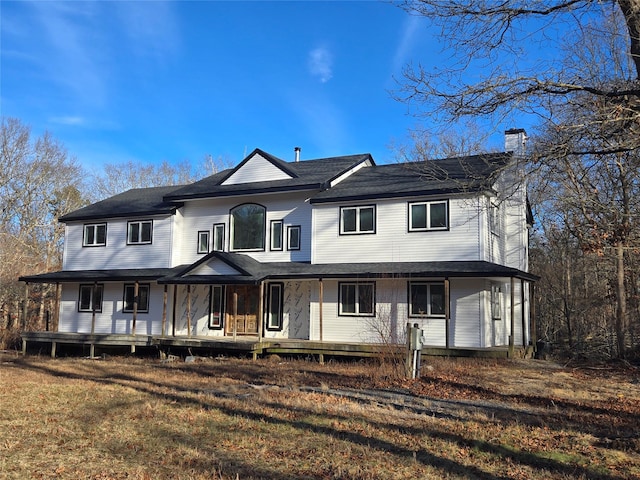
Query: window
<point x="276" y="234"/>
<point x="426" y="299"/>
<point x="216" y="306"/>
<point x="428" y="216"/>
<point x="139" y="233"/>
<point x="357" y="299"/>
<point x="358" y="219"/>
<point x="95" y="235"/>
<point x="218" y="237"/>
<point x="248" y="227"/>
<point x="129" y="298"/>
<point x="496" y="302"/>
<point x="203" y="241"/>
<point x="274" y="308"/>
<point x="293" y="237"/>
<point x="90" y="298"/>
<point x="494" y="219"/>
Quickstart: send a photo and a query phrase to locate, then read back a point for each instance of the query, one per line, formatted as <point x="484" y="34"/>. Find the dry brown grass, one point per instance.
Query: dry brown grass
<point x="125" y="418"/>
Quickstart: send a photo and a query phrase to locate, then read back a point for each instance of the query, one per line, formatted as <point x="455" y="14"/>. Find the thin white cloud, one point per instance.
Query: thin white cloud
<point x="321" y="64"/>
<point x="74" y="121"/>
<point x="408" y="38"/>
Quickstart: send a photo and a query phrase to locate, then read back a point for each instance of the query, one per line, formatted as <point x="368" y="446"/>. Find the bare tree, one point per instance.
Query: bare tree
<point x="39" y="182"/>
<point x="575" y="66"/>
<point x="119" y="177"/>
<point x="512" y="42"/>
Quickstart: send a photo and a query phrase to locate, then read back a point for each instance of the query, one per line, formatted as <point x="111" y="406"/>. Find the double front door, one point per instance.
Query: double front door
<point x="242" y="304"/>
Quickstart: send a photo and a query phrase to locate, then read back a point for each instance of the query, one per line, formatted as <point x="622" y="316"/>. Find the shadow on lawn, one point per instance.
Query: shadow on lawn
<point x="175" y="392"/>
<point x="600" y="422"/>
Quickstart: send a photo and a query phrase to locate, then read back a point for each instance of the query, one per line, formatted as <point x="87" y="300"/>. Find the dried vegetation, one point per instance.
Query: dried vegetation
<point x="126" y="418"/>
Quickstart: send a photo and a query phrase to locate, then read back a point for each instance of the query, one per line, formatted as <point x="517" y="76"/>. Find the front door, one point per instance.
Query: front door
<point x="242" y="309"/>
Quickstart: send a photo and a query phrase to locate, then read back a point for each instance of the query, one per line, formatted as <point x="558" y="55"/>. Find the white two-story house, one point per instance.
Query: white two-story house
<point x="328" y="250"/>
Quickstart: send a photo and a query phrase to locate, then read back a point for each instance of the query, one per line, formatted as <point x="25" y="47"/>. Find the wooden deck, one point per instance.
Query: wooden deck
<point x="247" y="345"/>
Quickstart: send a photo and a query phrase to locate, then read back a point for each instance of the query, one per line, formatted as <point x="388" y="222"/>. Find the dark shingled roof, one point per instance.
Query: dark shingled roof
<point x="432" y="177"/>
<point x="307" y="174"/>
<point x="113" y="275"/>
<point x="253" y="271"/>
<point x="135" y="202"/>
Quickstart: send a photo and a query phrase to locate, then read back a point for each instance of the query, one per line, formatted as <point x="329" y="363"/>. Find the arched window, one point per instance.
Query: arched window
<point x="248" y="227"/>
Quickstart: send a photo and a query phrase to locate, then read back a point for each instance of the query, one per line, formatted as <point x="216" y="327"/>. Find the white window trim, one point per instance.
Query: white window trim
<point x="139" y="223"/>
<point x="218" y="233"/>
<point x="279" y="291"/>
<point x="357" y="313"/>
<point x="94" y="226"/>
<point x="427" y="314"/>
<point x="428" y="204"/>
<point x="140" y="309"/>
<point x="357" y="209"/>
<point x="201" y="234"/>
<point x="273" y="237"/>
<point x="94" y="288"/>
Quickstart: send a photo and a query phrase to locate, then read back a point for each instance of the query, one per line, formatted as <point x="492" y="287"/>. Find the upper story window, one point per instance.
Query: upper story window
<point x="139" y="232"/>
<point x="360" y="219"/>
<point x="203" y="241"/>
<point x="95" y="235"/>
<point x="248" y="227"/>
<point x="276" y="235"/>
<point x="218" y="237"/>
<point x="293" y="237"/>
<point x="426" y="299"/>
<point x="494" y="219"/>
<point x="424" y="216"/>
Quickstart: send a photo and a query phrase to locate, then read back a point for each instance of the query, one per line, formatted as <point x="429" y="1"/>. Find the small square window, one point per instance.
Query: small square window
<point x="424" y="216"/>
<point x="357" y="299"/>
<point x="95" y="235"/>
<point x="293" y="237"/>
<point x="90" y="298"/>
<point x="130" y="299"/>
<point x="360" y="219"/>
<point x="203" y="241"/>
<point x="426" y="299"/>
<point x="139" y="232"/>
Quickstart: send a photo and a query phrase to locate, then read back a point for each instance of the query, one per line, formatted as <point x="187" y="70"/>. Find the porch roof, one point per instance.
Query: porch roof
<point x="251" y="271"/>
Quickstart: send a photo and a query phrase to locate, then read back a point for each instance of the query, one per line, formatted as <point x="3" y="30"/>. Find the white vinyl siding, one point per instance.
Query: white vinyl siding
<point x="117" y="254"/>
<point x="392" y="241"/>
<point x="111" y="319"/>
<point x="291" y="209"/>
<point x="256" y="169"/>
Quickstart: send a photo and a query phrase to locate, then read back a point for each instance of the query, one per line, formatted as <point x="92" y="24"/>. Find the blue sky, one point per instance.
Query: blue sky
<point x="152" y="81"/>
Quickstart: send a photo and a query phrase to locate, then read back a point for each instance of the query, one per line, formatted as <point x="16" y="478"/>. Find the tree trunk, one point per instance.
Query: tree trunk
<point x="621" y="306"/>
